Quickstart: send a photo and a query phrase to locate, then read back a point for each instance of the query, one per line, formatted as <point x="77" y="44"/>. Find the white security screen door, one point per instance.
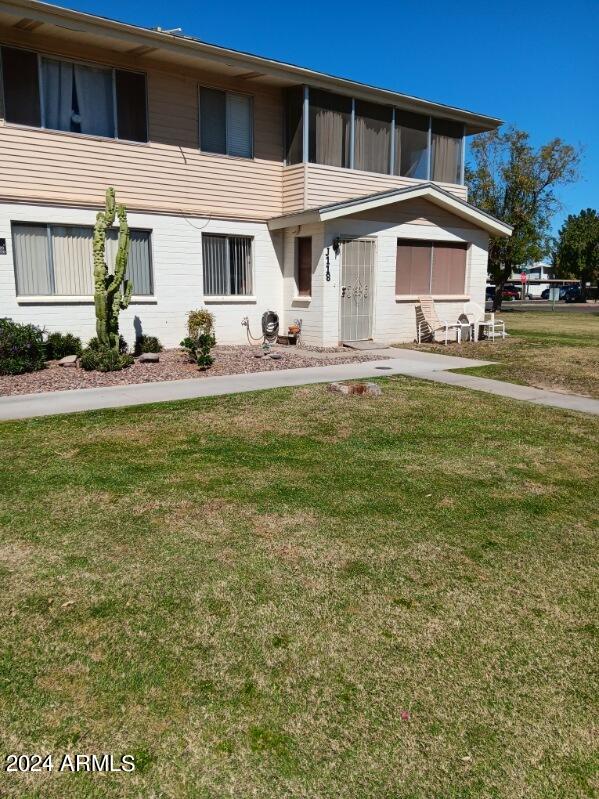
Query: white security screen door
<point x="357" y="273"/>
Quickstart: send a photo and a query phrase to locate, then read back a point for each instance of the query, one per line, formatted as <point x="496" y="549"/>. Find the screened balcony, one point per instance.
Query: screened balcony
<point x="341" y="131"/>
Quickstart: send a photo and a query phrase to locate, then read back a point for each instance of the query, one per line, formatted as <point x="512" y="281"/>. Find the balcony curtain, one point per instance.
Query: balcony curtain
<point x="330" y="124"/>
<point x="447" y="151"/>
<point x="372" y="148"/>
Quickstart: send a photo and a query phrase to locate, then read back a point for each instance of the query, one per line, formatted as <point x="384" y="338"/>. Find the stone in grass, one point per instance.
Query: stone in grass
<point x="70" y="361"/>
<point x="360" y="389"/>
<point x="149" y="357"/>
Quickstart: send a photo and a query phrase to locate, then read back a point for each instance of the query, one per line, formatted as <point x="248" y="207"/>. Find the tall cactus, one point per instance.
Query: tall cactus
<point x="108" y="297"/>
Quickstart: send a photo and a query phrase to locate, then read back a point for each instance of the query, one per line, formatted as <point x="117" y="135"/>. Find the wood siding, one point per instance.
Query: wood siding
<point x="329" y="184"/>
<point x="169" y="173"/>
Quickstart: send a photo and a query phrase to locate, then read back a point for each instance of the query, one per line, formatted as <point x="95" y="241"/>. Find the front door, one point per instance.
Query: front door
<point x="357" y="272"/>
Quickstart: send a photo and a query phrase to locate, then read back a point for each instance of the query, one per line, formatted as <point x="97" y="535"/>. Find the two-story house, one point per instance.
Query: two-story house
<point x="251" y="185"/>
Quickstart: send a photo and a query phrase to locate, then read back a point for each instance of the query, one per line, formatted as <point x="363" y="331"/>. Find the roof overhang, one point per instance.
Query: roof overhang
<point x="149" y="45"/>
<point x="427" y="191"/>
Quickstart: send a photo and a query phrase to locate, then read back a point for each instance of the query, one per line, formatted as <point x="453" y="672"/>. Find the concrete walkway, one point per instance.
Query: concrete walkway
<point x="411" y="363"/>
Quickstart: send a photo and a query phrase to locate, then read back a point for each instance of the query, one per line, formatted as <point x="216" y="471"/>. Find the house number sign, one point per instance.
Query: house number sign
<point x="2" y="246"/>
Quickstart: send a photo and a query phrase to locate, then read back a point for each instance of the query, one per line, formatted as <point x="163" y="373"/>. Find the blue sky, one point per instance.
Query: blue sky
<point x="533" y="63"/>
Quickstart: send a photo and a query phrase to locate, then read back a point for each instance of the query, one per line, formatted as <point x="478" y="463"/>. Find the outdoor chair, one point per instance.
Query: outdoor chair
<point x="429" y="323"/>
<point x="482" y="320"/>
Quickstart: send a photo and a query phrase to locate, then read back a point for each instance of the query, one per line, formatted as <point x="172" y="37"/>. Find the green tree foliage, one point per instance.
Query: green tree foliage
<point x="511" y="180"/>
<point x="577" y="250"/>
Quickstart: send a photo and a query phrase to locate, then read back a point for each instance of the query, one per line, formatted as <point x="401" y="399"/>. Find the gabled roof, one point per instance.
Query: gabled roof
<point x="178" y="48"/>
<point x="428" y="191"/>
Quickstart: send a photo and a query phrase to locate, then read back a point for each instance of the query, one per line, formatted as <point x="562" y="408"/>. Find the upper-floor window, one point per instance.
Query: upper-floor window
<point x="226" y="123"/>
<point x="72" y="96"/>
<point x="58" y="259"/>
<point x="346" y="132"/>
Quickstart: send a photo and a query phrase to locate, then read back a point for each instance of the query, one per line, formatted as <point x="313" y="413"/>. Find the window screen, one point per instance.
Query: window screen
<point x="330" y="128"/>
<point x="131" y="105"/>
<point x="372" y="147"/>
<point x="447" y="151"/>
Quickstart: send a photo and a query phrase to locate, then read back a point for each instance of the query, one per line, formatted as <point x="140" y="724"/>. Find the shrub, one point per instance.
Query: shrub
<point x="21" y="348"/>
<point x="147" y="344"/>
<point x="199" y="349"/>
<point x="200" y="321"/>
<point x="60" y="344"/>
<point x="94" y="344"/>
<point x="98" y="360"/>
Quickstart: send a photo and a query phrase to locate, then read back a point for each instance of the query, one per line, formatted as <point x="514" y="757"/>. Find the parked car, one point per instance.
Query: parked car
<point x="574" y="294"/>
<point x="489" y="298"/>
<point x="510" y="293"/>
<point x="546" y="293"/>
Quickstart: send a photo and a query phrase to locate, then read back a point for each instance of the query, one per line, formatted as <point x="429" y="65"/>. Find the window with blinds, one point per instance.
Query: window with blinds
<point x="226" y="123"/>
<point x="227" y="265"/>
<point x="57" y="260"/>
<point x="430" y="267"/>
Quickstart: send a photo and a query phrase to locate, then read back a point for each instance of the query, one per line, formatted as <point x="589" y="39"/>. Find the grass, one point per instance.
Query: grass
<point x="553" y="350"/>
<point x="299" y="594"/>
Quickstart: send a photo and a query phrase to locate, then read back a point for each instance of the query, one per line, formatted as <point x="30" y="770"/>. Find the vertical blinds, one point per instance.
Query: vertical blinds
<point x="227" y="265"/>
<point x="424" y="267"/>
<point x="58" y="260"/>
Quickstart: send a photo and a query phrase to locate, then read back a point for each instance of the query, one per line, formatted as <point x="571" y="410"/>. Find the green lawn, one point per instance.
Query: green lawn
<point x="557" y="350"/>
<point x="247" y="593"/>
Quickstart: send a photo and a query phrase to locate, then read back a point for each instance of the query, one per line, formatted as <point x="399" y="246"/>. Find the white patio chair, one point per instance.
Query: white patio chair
<point x="429" y="323"/>
<point x="481" y="319"/>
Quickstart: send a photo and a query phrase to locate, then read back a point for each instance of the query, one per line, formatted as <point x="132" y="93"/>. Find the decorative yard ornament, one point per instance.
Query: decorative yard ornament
<point x="109" y="299"/>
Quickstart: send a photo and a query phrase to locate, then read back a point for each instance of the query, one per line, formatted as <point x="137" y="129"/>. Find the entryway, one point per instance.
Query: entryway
<point x="356" y="301"/>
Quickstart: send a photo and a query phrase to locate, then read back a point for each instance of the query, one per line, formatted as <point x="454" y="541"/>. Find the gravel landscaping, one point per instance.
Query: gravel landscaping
<point x="173" y="365"/>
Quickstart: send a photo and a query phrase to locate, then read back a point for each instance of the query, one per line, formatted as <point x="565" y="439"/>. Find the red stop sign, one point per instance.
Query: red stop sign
<point x="523" y="277"/>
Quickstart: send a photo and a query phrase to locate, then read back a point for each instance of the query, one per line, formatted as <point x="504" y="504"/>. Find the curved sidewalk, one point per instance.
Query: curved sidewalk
<point x="410" y="363"/>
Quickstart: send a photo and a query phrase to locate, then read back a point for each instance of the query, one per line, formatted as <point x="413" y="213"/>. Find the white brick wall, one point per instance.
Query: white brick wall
<point x="177" y="267"/>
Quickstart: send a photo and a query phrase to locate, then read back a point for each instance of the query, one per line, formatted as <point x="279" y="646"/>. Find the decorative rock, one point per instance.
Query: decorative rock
<point x="71" y="361"/>
<point x="149" y="357"/>
<point x="276" y="356"/>
<point x="360" y="389"/>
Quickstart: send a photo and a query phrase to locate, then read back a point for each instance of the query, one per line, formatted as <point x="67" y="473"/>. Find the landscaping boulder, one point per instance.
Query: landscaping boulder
<point x="149" y="357"/>
<point x="71" y="361"/>
<point x="361" y="389"/>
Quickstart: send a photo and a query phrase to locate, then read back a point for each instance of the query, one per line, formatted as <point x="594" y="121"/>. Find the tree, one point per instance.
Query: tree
<point x="577" y="251"/>
<point x="512" y="181"/>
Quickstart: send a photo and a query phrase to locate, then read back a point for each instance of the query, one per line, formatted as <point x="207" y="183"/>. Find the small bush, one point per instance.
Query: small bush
<point x="96" y="360"/>
<point x="21" y="348"/>
<point x="200" y="321"/>
<point x="94" y="344"/>
<point x="60" y="344"/>
<point x="147" y="344"/>
<point x="199" y="349"/>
